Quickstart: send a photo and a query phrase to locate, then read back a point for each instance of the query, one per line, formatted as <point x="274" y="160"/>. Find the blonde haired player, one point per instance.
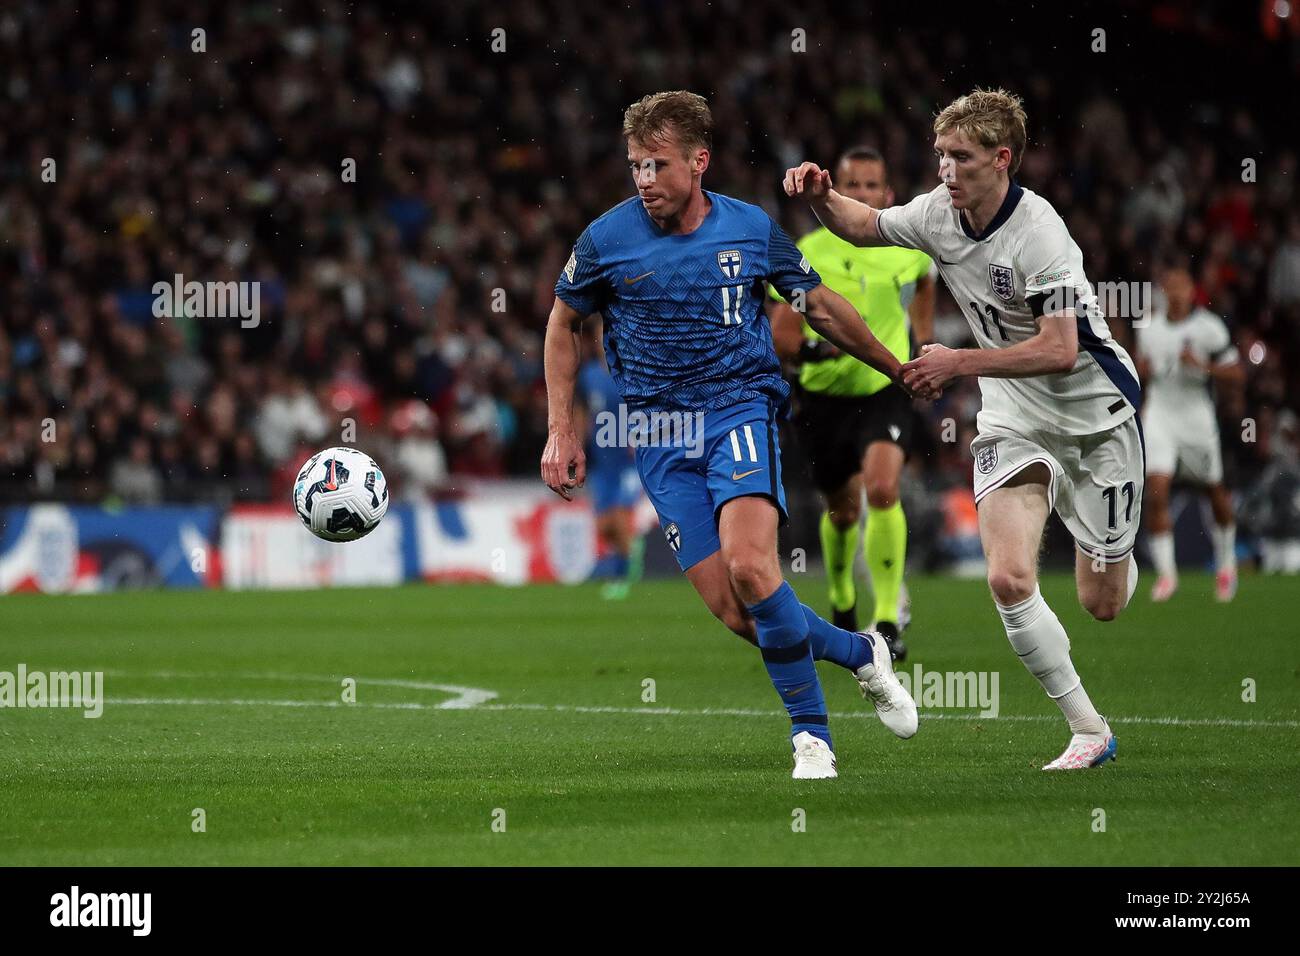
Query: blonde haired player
<point x="1058" y="427"/>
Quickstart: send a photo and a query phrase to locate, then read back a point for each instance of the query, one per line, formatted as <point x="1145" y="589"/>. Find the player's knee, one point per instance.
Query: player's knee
<point x="882" y="494"/>
<point x="844" y="516"/>
<point x="1102" y="606"/>
<point x="1011" y="585"/>
<point x="746" y="574"/>
<point x="750" y="572"/>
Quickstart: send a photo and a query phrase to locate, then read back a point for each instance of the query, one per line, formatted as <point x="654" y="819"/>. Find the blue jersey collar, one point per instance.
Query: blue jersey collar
<point x="706" y="221"/>
<point x="1009" y="203"/>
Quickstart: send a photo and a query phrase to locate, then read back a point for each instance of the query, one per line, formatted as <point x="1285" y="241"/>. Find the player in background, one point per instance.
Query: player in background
<point x="678" y="274"/>
<point x="611" y="472"/>
<point x="1058" y="426"/>
<point x="1181" y="353"/>
<point x="855" y="425"/>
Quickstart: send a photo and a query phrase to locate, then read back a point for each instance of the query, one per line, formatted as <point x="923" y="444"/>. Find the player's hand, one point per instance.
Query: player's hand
<point x="808" y="180"/>
<point x="938" y="365"/>
<point x="920" y="349"/>
<point x="925" y="395"/>
<point x="564" y="465"/>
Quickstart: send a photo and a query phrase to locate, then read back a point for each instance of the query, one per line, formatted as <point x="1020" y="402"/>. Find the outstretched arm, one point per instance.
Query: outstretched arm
<point x="849" y="219"/>
<point x="834" y="318"/>
<point x="564" y="465"/>
<point x="787" y="336"/>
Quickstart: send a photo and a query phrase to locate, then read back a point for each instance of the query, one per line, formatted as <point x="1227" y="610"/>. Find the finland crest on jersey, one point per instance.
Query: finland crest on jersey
<point x="729" y="262"/>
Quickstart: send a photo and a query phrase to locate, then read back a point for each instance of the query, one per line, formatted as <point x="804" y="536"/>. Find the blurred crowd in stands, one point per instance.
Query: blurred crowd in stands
<point x="408" y="302"/>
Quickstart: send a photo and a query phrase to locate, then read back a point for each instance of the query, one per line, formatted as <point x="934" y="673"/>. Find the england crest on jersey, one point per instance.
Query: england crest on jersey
<point x="1003" y="283"/>
<point x="729" y="262"/>
<point x="986" y="459"/>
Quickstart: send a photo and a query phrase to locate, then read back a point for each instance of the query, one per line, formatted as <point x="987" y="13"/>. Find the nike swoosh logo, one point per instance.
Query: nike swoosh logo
<point x="797" y="691"/>
<point x="743" y="474"/>
<point x="631" y="281"/>
<point x="1110" y="540"/>
<point x="946" y="262"/>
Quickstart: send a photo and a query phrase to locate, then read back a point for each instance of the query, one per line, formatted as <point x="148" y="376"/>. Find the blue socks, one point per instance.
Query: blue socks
<point x="610" y="567"/>
<point x="830" y="643"/>
<point x="783" y="639"/>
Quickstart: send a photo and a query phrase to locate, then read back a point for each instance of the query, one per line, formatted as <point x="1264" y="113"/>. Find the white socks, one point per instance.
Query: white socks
<point x="1162" y="554"/>
<point x="1041" y="643"/>
<point x="1224" y="538"/>
<point x="1225" y="547"/>
<point x="1078" y="710"/>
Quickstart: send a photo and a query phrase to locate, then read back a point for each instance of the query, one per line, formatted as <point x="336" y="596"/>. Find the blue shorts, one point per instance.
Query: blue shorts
<point x="613" y="487"/>
<point x="689" y="483"/>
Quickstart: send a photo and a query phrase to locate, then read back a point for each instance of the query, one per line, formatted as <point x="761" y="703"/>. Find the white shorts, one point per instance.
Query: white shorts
<point x="1183" y="449"/>
<point x="1096" y="480"/>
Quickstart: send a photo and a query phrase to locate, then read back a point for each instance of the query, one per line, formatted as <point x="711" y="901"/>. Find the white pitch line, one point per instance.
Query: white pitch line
<point x="476" y="698"/>
<point x="462" y="698"/>
<point x="679" y="712"/>
<point x="253" y="702"/>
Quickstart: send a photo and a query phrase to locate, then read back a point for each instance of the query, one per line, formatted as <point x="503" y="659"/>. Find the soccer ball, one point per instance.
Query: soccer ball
<point x="340" y="494"/>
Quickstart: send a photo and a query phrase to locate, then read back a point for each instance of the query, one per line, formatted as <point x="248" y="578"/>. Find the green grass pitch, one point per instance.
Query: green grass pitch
<point x="231" y="702"/>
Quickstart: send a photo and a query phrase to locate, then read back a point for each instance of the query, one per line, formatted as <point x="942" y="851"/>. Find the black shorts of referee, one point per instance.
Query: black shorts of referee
<point x="834" y="430"/>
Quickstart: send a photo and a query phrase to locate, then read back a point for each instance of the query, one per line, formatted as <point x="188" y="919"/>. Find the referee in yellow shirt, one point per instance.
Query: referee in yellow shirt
<point x="854" y="425"/>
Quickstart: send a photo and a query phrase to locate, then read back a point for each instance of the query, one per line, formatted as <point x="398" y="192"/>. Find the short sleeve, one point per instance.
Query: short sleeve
<point x="1221" y="350"/>
<point x="772" y="294"/>
<point x="905" y="225"/>
<point x="788" y="269"/>
<point x="581" y="284"/>
<point x="1046" y="263"/>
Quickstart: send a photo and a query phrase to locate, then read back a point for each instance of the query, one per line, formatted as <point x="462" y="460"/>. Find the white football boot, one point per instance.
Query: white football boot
<point x="1086" y="750"/>
<point x="1164" y="588"/>
<point x="813" y="758"/>
<point x="894" y="707"/>
<point x="1225" y="585"/>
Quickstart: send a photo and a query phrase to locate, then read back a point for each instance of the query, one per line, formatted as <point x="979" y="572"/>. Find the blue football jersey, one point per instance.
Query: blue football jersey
<point x="684" y="321"/>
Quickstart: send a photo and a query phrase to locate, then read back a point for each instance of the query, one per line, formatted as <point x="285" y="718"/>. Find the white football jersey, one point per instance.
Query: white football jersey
<point x="1024" y="258"/>
<point x="1173" y="388"/>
